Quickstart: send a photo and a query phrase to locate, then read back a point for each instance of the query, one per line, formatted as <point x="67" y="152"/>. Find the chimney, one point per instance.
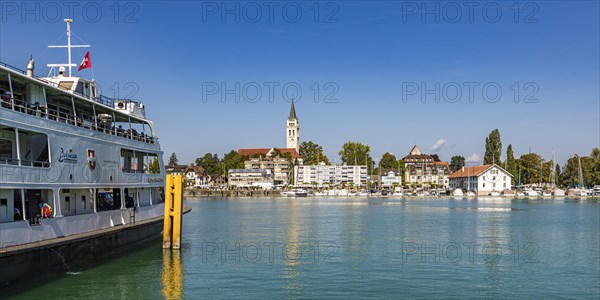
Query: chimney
<point x="30" y="66"/>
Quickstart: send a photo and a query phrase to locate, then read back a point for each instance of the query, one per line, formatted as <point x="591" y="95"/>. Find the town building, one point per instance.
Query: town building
<point x="423" y="170"/>
<point x="390" y="178"/>
<point x="481" y="179"/>
<point x="330" y="175"/>
<point x="244" y="178"/>
<point x="278" y="161"/>
<point x="176" y="170"/>
<point x="217" y="181"/>
<point x="194" y="176"/>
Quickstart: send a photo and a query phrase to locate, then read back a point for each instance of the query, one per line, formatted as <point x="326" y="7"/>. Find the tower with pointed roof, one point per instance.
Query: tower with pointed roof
<point x="292" y="130"/>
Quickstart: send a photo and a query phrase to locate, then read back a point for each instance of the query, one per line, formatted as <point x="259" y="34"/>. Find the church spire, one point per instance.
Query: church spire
<point x="292" y="112"/>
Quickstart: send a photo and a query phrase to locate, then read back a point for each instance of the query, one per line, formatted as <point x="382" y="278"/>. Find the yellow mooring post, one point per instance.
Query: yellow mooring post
<point x="173" y="212"/>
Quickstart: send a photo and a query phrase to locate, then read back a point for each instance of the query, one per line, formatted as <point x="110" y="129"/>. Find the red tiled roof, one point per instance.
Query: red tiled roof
<point x="291" y="151"/>
<point x="265" y="151"/>
<point x="252" y="151"/>
<point x="470" y="171"/>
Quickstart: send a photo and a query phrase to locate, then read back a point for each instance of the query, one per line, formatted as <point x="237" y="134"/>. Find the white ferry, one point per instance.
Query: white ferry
<point x="95" y="161"/>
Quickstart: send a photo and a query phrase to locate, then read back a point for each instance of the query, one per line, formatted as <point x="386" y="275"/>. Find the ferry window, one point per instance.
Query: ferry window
<point x="3" y="207"/>
<point x="6" y="151"/>
<point x="65" y="85"/>
<point x="68" y="203"/>
<point x="126" y="160"/>
<point x="34" y="149"/>
<point x="83" y="203"/>
<point x="104" y="201"/>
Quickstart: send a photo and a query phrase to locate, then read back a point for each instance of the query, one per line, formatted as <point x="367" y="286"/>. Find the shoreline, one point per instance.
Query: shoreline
<point x="196" y="193"/>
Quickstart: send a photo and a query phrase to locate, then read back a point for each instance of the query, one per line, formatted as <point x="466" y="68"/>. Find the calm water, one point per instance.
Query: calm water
<point x="363" y="248"/>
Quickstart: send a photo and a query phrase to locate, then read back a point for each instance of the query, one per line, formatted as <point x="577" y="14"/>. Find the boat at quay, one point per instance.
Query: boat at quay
<point x="82" y="174"/>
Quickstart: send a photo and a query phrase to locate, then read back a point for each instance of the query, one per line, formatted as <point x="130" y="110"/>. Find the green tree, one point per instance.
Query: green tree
<point x="435" y="157"/>
<point x="456" y="162"/>
<point x="530" y="168"/>
<point x="312" y="153"/>
<point x="355" y="153"/>
<point x="595" y="177"/>
<point x="558" y="175"/>
<point x="173" y="159"/>
<point x="493" y="148"/>
<point x="570" y="172"/>
<point x="547" y="169"/>
<point x="512" y="166"/>
<point x="210" y="163"/>
<point x="232" y="160"/>
<point x="154" y="166"/>
<point x="388" y="161"/>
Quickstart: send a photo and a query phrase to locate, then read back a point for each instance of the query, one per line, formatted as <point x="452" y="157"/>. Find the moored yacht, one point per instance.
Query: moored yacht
<point x="82" y="174"/>
<point x="294" y="193"/>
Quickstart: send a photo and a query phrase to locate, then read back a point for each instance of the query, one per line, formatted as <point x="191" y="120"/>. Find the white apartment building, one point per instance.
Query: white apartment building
<point x="333" y="175"/>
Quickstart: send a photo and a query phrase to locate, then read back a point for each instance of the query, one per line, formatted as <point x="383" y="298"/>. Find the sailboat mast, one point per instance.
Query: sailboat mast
<point x="580" y="172"/>
<point x="519" y="185"/>
<point x="553" y="170"/>
<point x="541" y="171"/>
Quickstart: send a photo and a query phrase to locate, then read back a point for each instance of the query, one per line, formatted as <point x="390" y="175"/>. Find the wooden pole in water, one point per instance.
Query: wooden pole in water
<point x="173" y="212"/>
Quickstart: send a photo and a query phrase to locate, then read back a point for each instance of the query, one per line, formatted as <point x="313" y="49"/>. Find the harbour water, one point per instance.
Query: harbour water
<point x="274" y="248"/>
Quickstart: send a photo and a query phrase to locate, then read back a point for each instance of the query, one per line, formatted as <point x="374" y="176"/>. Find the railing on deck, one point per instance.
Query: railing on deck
<point x="24" y="162"/>
<point x="81" y="120"/>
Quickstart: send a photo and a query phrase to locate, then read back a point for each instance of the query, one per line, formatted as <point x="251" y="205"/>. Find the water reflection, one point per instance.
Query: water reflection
<point x="292" y="252"/>
<point x="172" y="274"/>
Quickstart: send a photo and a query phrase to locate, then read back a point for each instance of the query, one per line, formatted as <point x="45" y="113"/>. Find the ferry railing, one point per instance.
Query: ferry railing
<point x="9" y="161"/>
<point x="35" y="163"/>
<point x="83" y="120"/>
<point x="24" y="162"/>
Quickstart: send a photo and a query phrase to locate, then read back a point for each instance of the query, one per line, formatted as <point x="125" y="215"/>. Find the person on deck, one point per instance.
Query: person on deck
<point x="45" y="210"/>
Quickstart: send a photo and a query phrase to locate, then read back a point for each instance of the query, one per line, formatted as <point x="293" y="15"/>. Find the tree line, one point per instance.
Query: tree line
<point x="532" y="168"/>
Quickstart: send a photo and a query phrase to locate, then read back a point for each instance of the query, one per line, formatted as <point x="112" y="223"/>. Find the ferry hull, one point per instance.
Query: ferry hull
<point x="54" y="256"/>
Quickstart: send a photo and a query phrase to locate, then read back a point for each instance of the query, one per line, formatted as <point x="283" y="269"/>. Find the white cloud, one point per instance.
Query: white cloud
<point x="438" y="145"/>
<point x="473" y="158"/>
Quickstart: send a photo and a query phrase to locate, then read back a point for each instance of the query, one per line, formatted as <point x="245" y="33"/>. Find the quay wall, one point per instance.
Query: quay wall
<point x="230" y="193"/>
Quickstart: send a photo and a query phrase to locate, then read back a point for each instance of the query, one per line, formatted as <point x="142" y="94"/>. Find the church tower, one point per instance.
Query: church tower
<point x="292" y="132"/>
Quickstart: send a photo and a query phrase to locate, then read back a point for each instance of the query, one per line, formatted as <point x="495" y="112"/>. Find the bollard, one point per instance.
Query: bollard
<point x="173" y="212"/>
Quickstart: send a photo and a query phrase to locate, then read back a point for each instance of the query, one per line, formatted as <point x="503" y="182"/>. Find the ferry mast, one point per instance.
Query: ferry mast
<point x="68" y="46"/>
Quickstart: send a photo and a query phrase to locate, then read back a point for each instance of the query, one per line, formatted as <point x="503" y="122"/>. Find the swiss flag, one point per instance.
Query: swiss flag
<point x="86" y="62"/>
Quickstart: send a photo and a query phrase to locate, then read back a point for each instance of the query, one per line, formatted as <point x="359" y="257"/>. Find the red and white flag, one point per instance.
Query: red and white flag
<point x="86" y="62"/>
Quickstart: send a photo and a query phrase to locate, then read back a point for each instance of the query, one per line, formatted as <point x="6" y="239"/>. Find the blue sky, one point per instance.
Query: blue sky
<point x="360" y="53"/>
